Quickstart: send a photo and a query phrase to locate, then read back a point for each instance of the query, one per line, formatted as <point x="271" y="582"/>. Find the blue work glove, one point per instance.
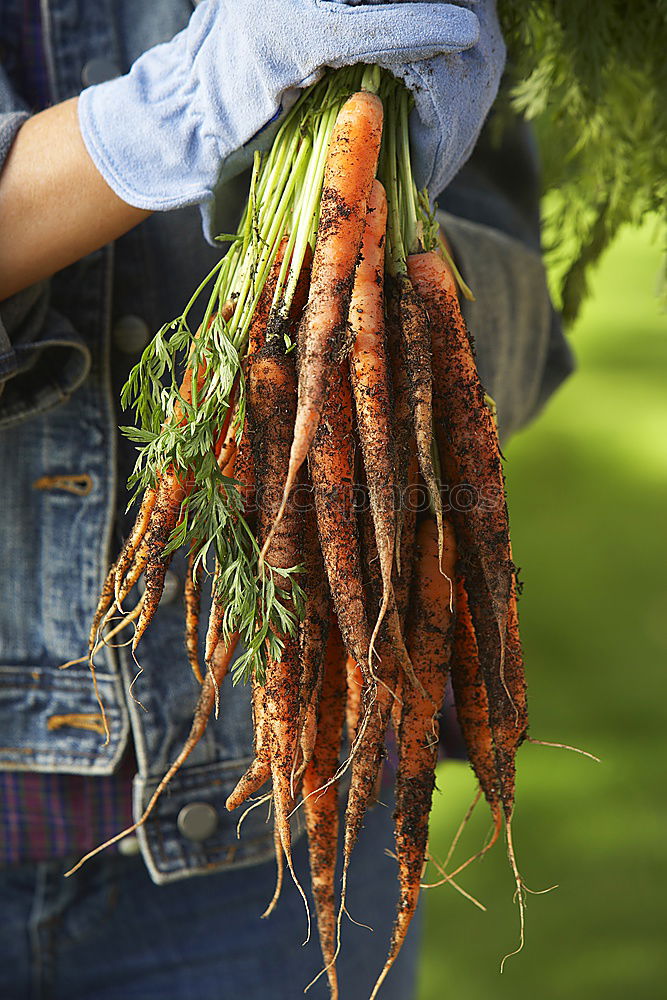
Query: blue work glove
<point x="163" y="135"/>
<point x="453" y="94"/>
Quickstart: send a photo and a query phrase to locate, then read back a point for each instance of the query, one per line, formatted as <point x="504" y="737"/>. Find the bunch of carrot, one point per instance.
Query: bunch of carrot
<point x="333" y="364"/>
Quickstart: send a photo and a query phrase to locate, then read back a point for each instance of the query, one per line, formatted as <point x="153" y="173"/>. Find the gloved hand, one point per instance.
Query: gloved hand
<point x="163" y="134"/>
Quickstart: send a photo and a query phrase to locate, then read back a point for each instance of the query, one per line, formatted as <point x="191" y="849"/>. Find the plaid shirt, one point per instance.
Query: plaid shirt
<point x="48" y="816"/>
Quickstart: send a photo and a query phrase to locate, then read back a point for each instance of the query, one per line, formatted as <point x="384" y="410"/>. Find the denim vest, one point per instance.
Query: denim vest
<point x="58" y="418"/>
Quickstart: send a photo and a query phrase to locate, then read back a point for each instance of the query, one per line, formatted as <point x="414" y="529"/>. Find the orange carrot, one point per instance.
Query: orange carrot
<point x="403" y="569"/>
<point x="472" y="704"/>
<point x="321" y="807"/>
<point x="225" y="446"/>
<point x="104" y="602"/>
<point x="280" y="869"/>
<point x="391" y="626"/>
<point x="159" y="514"/>
<point x="260" y="769"/>
<point x="115" y="581"/>
<point x="134" y="539"/>
<point x="244" y="472"/>
<point x="271" y="408"/>
<point x="355" y="680"/>
<point x="324" y="337"/>
<point x="236" y="461"/>
<point x="470" y="456"/>
<point x="216" y="617"/>
<point x="507" y="707"/>
<point x="467" y="433"/>
<point x="331" y="463"/>
<point x="281" y="696"/>
<point x="192" y="599"/>
<point x="271" y="411"/>
<point x="370" y="384"/>
<point x="410" y="500"/>
<point x="261" y="316"/>
<point x="515" y="677"/>
<point x="267" y="404"/>
<point x="404" y="445"/>
<point x="416" y="344"/>
<point x="313" y="635"/>
<point x="240" y="468"/>
<point x="429" y="644"/>
<point x="109" y="595"/>
<point x="367" y="761"/>
<point x="171" y="493"/>
<point x="134" y="571"/>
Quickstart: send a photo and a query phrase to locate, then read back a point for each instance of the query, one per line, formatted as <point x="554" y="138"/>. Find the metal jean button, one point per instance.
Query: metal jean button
<point x="128" y="847"/>
<point x="130" y="334"/>
<point x="99" y="70"/>
<point x="197" y="821"/>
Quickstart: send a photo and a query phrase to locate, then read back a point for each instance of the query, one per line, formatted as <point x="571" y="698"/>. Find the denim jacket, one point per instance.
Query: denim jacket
<point x="58" y="419"/>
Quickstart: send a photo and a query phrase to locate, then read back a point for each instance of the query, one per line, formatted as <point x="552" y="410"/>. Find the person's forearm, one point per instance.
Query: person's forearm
<point x="55" y="207"/>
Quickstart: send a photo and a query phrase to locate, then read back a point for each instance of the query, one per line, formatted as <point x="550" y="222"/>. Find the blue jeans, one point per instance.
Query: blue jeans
<point x="109" y="933"/>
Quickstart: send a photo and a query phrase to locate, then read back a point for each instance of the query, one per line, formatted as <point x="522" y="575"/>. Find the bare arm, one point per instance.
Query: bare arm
<point x="55" y="207"/>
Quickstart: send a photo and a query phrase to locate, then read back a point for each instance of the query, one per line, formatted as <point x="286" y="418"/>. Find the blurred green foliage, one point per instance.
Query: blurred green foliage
<point x="593" y="77"/>
<point x="588" y="504"/>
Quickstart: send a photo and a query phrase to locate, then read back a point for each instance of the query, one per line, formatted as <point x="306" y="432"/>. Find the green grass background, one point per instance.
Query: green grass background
<point x="588" y="504"/>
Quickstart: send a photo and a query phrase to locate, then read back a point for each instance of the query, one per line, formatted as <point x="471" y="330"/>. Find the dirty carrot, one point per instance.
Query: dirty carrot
<point x="367" y="761"/>
<point x="402" y="414"/>
<point x="324" y="338"/>
<point x="271" y="413"/>
<point x="472" y="703"/>
<point x="313" y="634"/>
<point x="171" y="493"/>
<point x="110" y="593"/>
<point x="331" y="463"/>
<point x="416" y="342"/>
<point x="370" y="385"/>
<point x="134" y="538"/>
<point x="467" y="423"/>
<point x="192" y="600"/>
<point x="321" y="804"/>
<point x="429" y="644"/>
<point x="470" y="454"/>
<point x="259" y="770"/>
<point x="355" y="680"/>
